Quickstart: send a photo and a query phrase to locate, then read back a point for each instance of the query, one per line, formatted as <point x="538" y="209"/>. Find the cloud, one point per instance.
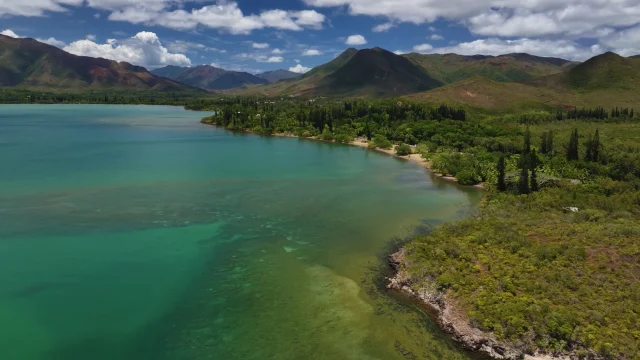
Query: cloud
<point x="356" y="40"/>
<point x="182" y="46"/>
<point x="625" y="43"/>
<point x="260" y="45"/>
<point x="422" y="48"/>
<point x="299" y="69"/>
<point x="10" y="33"/>
<point x="260" y="58"/>
<point x="565" y="49"/>
<point x="91" y="37"/>
<point x="275" y="59"/>
<point x="311" y="52"/>
<point x="436" y="37"/>
<point x="223" y="16"/>
<point x="277" y="51"/>
<point x="35" y="7"/>
<point x="503" y="18"/>
<point x="144" y="49"/>
<point x="53" y="42"/>
<point x="383" y="27"/>
<point x="50" y="41"/>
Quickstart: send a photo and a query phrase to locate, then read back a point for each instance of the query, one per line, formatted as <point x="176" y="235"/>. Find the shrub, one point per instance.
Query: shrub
<point x="466" y="177"/>
<point x="382" y="142"/>
<point x="343" y="138"/>
<point x="327" y="134"/>
<point x="403" y="150"/>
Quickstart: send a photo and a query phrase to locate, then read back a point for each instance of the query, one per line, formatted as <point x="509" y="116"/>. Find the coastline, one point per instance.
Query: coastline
<point x="456" y="324"/>
<point x="364" y="143"/>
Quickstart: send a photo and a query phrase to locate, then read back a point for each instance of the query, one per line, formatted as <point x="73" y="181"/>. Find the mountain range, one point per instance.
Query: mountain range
<point x="32" y="64"/>
<point x="505" y="82"/>
<point x="378" y="72"/>
<point x="501" y="83"/>
<point x="212" y="78"/>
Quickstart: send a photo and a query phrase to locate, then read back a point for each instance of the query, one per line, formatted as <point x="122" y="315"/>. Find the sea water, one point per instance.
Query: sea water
<point x="135" y="232"/>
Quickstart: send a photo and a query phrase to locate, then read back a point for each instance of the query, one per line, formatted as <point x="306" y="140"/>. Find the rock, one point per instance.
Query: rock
<point x="571" y="209"/>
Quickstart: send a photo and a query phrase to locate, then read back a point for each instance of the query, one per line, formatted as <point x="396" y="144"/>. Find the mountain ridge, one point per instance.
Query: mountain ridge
<point x="29" y="63"/>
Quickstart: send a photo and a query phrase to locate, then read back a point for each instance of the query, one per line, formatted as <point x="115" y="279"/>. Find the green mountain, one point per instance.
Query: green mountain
<point x="31" y="64"/>
<point x="356" y="73"/>
<point x="209" y="77"/>
<point x="606" y="71"/>
<point x="378" y="72"/>
<point x="170" y="71"/>
<point x="278" y="75"/>
<point x="449" y="68"/>
<point x="604" y="80"/>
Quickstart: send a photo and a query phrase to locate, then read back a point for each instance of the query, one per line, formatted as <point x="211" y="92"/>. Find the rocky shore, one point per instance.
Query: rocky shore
<point x="456" y="324"/>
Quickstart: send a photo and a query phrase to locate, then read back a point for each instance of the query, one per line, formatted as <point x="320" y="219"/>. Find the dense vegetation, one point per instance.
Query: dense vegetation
<point x="24" y="96"/>
<point x="552" y="259"/>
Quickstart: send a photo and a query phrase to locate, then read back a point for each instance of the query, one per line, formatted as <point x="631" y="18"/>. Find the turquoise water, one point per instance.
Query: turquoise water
<point x="134" y="232"/>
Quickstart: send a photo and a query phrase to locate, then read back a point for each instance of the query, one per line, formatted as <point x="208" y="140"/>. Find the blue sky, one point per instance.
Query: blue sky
<point x="255" y="36"/>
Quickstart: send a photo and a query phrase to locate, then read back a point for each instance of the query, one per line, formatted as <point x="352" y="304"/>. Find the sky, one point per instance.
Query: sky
<point x="263" y="35"/>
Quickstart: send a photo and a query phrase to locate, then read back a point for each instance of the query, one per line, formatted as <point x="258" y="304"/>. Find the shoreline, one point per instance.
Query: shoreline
<point x="456" y="324"/>
<point x="364" y="143"/>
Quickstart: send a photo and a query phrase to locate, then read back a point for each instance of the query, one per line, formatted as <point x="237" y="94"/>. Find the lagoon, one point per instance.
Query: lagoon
<point x="135" y="232"/>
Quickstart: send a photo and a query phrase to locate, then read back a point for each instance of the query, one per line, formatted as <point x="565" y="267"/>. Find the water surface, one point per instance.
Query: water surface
<point x="134" y="232"/>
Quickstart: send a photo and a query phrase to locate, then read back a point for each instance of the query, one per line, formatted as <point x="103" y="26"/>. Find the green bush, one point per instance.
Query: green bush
<point x="327" y="134"/>
<point x="466" y="177"/>
<point x="382" y="142"/>
<point x="343" y="138"/>
<point x="403" y="150"/>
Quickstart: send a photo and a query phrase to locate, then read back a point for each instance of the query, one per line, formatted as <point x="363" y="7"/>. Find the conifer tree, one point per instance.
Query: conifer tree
<point x="502" y="185"/>
<point x="523" y="183"/>
<point x="572" y="149"/>
<point x="527" y="142"/>
<point x="533" y="164"/>
<point x="543" y="143"/>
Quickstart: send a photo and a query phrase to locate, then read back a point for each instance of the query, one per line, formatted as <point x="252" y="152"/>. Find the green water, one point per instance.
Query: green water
<point x="137" y="233"/>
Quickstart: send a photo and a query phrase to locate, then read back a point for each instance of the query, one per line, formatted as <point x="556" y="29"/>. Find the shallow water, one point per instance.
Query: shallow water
<point x="134" y="232"/>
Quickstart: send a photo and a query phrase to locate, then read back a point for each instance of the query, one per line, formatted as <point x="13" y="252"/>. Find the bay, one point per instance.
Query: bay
<point x="134" y="232"/>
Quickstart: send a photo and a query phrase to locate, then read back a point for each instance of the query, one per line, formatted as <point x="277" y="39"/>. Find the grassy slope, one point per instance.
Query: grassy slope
<point x="606" y="80"/>
<point x="450" y="68"/>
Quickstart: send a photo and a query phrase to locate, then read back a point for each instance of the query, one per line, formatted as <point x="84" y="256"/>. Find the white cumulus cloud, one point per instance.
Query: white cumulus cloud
<point x="144" y="49"/>
<point x="260" y="45"/>
<point x="311" y="52"/>
<point x="10" y="33"/>
<point x="383" y="27"/>
<point x="422" y="48"/>
<point x="224" y="15"/>
<point x="493" y="46"/>
<point x="277" y="51"/>
<point x="356" y="40"/>
<point x="299" y="69"/>
<point x="49" y="41"/>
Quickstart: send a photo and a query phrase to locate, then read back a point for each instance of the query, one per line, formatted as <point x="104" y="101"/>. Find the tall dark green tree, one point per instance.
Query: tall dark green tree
<point x="572" y="149"/>
<point x="502" y="167"/>
<point x="543" y="142"/>
<point x="527" y="142"/>
<point x="533" y="164"/>
<point x="593" y="147"/>
<point x="550" y="142"/>
<point x="523" y="183"/>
